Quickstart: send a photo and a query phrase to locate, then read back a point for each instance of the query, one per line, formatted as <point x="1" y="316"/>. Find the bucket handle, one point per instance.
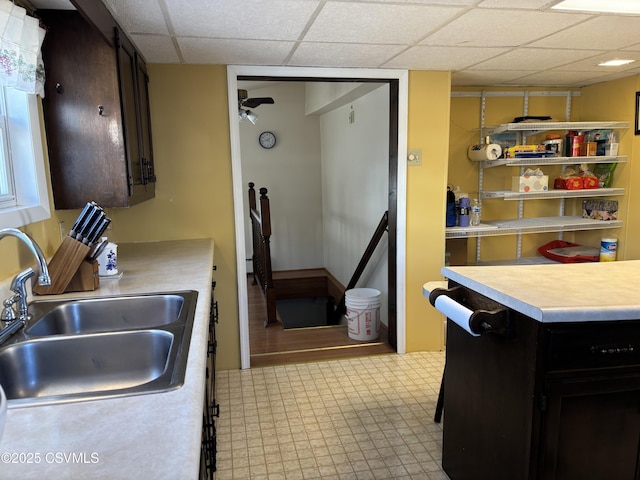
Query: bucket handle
<point x="368" y="307"/>
<point x="360" y="312"/>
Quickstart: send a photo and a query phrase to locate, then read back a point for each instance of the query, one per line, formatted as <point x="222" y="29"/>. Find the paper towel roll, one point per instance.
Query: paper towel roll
<point x="456" y="312"/>
<point x="484" y="152"/>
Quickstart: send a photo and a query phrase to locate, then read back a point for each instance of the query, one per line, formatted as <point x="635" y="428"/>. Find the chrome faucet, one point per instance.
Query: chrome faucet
<point x="12" y="321"/>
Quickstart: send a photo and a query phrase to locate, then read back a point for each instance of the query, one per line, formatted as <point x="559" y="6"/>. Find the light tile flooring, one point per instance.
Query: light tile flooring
<point x="351" y="419"/>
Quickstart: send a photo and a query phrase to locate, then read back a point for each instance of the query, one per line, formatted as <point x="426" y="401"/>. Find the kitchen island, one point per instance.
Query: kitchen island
<point x="547" y="384"/>
<point x="155" y="435"/>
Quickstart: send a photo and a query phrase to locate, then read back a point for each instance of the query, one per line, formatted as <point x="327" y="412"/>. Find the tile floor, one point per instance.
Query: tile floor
<point x="351" y="419"/>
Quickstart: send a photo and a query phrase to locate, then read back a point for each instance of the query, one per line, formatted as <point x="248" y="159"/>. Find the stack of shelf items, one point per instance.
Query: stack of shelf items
<point x="561" y="223"/>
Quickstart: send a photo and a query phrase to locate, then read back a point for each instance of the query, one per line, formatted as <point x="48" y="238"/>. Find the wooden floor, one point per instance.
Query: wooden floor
<point x="274" y="345"/>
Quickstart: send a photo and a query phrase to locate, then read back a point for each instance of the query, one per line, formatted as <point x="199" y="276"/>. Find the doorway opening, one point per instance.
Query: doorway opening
<point x="396" y="81"/>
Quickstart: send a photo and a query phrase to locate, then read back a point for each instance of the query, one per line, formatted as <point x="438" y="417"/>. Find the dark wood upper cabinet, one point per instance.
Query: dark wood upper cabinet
<point x="96" y="112"/>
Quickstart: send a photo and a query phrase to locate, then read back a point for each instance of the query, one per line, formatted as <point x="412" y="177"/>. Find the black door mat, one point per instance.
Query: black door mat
<point x="305" y="312"/>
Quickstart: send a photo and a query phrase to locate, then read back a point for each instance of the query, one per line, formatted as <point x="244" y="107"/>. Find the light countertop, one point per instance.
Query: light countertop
<point x="557" y="293"/>
<point x="153" y="435"/>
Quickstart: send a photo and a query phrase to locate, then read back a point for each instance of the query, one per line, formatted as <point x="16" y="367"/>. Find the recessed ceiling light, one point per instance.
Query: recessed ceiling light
<point x="617" y="62"/>
<point x="629" y="7"/>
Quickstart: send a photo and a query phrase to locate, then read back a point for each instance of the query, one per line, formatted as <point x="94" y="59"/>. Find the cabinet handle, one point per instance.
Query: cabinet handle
<point x="59" y="88"/>
<point x="101" y="110"/>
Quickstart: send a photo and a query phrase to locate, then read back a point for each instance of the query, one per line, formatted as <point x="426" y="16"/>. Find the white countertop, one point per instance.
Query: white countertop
<point x="560" y="292"/>
<point x="146" y="436"/>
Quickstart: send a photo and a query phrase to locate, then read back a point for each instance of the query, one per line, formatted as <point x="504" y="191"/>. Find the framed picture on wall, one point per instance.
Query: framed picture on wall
<point x="637" y="126"/>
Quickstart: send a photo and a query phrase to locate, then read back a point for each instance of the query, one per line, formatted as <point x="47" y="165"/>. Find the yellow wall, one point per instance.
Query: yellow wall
<point x="429" y="103"/>
<point x="194" y="197"/>
<point x="616" y="101"/>
<point x="194" y="191"/>
<point x="613" y="101"/>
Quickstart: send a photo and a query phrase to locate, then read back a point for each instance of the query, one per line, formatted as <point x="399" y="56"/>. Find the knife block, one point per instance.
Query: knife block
<point x="67" y="264"/>
<point x="86" y="278"/>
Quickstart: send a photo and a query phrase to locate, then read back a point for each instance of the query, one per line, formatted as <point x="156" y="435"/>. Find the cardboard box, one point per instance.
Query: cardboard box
<point x="575" y="183"/>
<point x="533" y="183"/>
<point x="590" y="182"/>
<point x="569" y="183"/>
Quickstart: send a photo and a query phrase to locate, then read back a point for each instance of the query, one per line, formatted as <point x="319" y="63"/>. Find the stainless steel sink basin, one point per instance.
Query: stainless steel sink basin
<point x="103" y="347"/>
<point x="84" y="364"/>
<point x="105" y="314"/>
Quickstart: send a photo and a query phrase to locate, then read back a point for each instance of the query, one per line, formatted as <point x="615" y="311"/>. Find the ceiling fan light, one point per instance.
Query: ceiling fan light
<point x="247" y="115"/>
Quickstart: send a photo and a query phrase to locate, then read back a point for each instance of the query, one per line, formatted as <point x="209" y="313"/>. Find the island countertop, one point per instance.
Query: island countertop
<point x="154" y="435"/>
<point x="577" y="292"/>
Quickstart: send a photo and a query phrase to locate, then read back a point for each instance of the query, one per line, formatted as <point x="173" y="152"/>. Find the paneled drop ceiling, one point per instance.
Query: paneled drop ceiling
<point x="483" y="42"/>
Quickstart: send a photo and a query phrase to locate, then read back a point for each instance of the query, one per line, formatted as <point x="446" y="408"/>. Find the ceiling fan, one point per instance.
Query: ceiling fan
<point x="245" y="101"/>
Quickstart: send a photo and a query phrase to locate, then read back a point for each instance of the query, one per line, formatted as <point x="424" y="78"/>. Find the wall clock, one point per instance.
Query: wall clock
<point x="267" y="140"/>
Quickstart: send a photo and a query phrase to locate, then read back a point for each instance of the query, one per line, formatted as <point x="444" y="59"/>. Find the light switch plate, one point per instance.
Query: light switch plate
<point x="414" y="157"/>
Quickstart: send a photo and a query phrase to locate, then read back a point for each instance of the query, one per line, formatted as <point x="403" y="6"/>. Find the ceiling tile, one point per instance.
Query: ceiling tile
<point x="442" y="58"/>
<point x="249" y="19"/>
<point x="377" y="23"/>
<point x="605" y="32"/>
<point x="138" y="16"/>
<point x="460" y="3"/>
<point x="342" y="54"/>
<point x="481" y="77"/>
<point x="482" y="42"/>
<point x="557" y="78"/>
<point x="156" y="48"/>
<point x="591" y="64"/>
<point x="528" y="5"/>
<point x="501" y="28"/>
<point x="234" y="52"/>
<point x="534" y="59"/>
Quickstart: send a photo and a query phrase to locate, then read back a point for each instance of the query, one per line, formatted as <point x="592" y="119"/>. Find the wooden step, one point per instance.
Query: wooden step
<point x="313" y="282"/>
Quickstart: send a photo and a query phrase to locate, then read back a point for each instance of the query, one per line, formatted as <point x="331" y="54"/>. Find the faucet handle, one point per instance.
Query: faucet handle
<point x="8" y="313"/>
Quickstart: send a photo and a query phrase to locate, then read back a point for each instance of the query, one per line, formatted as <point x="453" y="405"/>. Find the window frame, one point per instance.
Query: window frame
<point x="25" y="146"/>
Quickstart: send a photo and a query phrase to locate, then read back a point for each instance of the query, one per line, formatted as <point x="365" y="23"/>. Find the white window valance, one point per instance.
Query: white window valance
<point x="21" y="37"/>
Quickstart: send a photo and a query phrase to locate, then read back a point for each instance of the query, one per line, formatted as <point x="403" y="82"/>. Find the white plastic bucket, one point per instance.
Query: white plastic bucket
<point x="363" y="313"/>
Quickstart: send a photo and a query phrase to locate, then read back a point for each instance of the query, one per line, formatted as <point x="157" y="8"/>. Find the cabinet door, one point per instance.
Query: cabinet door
<point x="126" y="76"/>
<point x="136" y="131"/>
<point x="145" y="144"/>
<point x="82" y="114"/>
<point x="592" y="428"/>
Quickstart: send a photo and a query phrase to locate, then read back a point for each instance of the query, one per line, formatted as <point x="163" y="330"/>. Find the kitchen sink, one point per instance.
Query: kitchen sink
<point x="104" y="314"/>
<point x="103" y="347"/>
<point x="84" y="364"/>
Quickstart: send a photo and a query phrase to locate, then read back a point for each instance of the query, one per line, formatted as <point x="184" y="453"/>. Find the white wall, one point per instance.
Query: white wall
<point x="355" y="177"/>
<point x="291" y="173"/>
<point x="327" y="178"/>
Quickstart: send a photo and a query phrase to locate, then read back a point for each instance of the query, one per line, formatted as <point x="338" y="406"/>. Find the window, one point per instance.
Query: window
<point x="24" y="197"/>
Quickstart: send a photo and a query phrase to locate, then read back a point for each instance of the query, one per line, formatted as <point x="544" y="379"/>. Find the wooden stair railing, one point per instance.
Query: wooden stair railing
<point x="373" y="243"/>
<point x="261" y="257"/>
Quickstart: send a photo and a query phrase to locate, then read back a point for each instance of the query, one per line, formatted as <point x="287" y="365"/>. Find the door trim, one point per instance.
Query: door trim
<point x="402" y="76"/>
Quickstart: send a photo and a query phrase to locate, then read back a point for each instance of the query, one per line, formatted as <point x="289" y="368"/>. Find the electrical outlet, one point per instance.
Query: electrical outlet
<point x="414" y="158"/>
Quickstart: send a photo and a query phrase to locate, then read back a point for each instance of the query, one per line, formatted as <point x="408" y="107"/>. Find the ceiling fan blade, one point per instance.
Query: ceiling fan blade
<point x="255" y="102"/>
